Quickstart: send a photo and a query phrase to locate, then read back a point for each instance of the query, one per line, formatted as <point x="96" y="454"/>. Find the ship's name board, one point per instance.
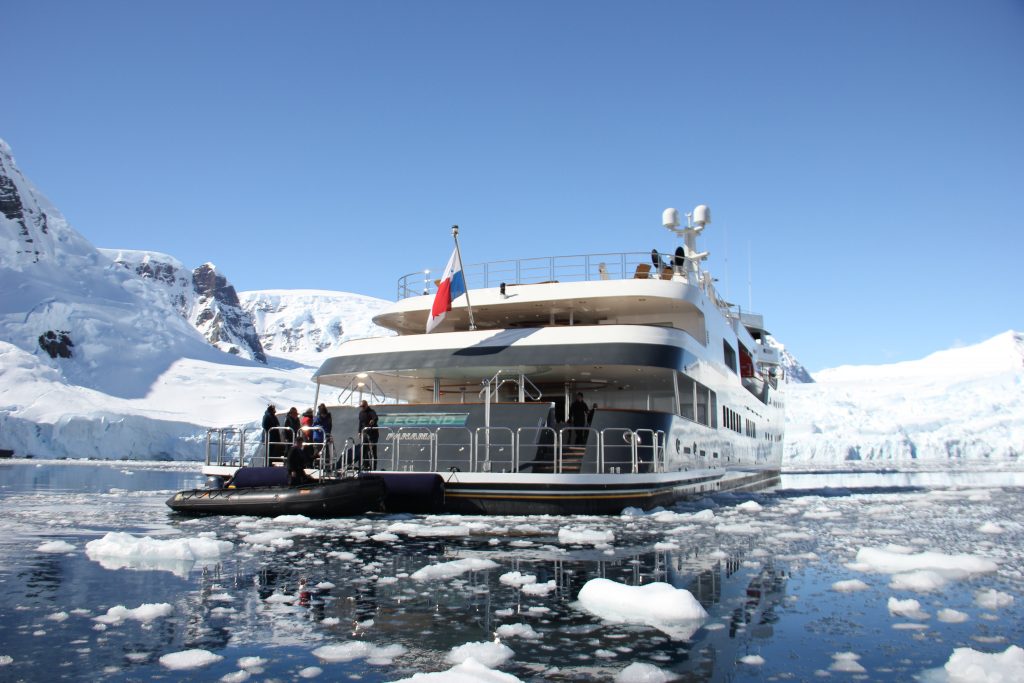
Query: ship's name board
<point x="423" y="420"/>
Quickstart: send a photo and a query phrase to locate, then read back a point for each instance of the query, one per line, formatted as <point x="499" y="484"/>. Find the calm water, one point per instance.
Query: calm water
<point x="764" y="576"/>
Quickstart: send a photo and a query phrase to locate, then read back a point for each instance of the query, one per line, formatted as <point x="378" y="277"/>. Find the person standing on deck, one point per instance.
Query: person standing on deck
<point x="292" y="422"/>
<point x="579" y="418"/>
<point x="271" y="422"/>
<point x="297" y="462"/>
<point x="368" y="435"/>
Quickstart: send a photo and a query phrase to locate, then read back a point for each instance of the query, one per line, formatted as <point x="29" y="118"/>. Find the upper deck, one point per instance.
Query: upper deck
<point x="529" y="271"/>
<point x="584" y="289"/>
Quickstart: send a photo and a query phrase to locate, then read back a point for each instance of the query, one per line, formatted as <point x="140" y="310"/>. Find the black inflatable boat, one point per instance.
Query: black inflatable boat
<point x="329" y="498"/>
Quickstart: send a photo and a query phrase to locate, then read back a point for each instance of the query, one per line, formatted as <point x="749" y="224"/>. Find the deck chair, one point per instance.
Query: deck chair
<point x="643" y="271"/>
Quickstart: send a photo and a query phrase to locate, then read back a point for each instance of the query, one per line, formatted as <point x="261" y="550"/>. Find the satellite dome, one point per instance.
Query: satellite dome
<point x="702" y="215"/>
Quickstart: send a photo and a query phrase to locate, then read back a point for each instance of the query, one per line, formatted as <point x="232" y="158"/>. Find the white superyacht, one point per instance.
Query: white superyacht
<point x="683" y="390"/>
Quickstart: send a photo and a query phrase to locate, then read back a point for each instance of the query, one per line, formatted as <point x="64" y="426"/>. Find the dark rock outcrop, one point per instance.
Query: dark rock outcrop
<point x="56" y="343"/>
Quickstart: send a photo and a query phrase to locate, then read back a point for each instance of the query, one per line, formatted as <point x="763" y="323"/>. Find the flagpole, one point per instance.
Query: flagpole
<point x="455" y="234"/>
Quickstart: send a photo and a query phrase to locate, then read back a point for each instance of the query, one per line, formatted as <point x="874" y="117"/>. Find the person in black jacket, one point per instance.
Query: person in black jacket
<point x="368" y="435"/>
<point x="297" y="463"/>
<point x="271" y="422"/>
<point x="291" y="421"/>
<point x="579" y="416"/>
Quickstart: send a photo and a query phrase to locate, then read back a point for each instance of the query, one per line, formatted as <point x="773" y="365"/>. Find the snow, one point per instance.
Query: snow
<point x="954" y="405"/>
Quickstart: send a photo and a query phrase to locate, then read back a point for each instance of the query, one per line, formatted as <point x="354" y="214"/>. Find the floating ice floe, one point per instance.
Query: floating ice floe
<point x="951" y="616"/>
<point x="469" y="671"/>
<point x="752" y="660"/>
<point x="119" y="550"/>
<point x="641" y="672"/>
<point x="536" y="589"/>
<point x="253" y="664"/>
<point x="750" y="506"/>
<point x="970" y="666"/>
<point x="236" y="677"/>
<point x="55" y="547"/>
<point x="517" y="579"/>
<point x="585" y="536"/>
<point x="911" y="609"/>
<point x="849" y="586"/>
<point x="671" y="610"/>
<point x="846" y="662"/>
<point x="145" y="613"/>
<point x="427" y="531"/>
<point x="490" y="654"/>
<point x="310" y="672"/>
<point x="990" y="528"/>
<point x="447" y="570"/>
<point x="357" y="649"/>
<point x="517" y="631"/>
<point x="274" y="538"/>
<point x="742" y="528"/>
<point x="950" y="567"/>
<point x="923" y="581"/>
<point x="189" y="659"/>
<point x="992" y="599"/>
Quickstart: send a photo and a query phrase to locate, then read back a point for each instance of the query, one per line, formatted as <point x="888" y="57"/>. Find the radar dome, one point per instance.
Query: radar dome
<point x="670" y="218"/>
<point x="702" y="215"/>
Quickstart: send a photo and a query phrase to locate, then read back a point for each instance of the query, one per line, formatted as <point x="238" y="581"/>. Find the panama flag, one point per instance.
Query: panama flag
<point x="451" y="287"/>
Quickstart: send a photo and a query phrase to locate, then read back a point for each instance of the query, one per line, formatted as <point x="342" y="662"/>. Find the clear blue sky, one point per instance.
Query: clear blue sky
<point x="870" y="155"/>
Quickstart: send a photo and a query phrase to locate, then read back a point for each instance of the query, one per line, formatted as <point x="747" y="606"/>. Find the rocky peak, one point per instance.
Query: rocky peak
<point x="218" y="315"/>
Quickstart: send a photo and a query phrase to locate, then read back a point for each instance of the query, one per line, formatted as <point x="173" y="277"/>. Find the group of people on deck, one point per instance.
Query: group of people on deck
<point x="310" y="434"/>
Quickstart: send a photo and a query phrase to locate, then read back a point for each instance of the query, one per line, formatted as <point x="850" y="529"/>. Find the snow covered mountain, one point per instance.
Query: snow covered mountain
<point x="203" y="296"/>
<point x="65" y="303"/>
<point x="107" y="353"/>
<point x="308" y="325"/>
<point x="956" y="405"/>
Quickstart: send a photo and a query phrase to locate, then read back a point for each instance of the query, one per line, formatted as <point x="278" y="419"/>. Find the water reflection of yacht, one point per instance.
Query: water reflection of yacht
<point x="473" y="417"/>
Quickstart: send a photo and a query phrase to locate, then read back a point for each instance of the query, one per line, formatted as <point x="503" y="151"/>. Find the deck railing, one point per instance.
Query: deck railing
<point x="575" y="268"/>
<point x="449" y="449"/>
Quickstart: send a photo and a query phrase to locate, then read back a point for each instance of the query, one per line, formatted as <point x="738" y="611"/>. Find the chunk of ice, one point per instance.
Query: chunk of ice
<point x="189" y="659"/>
<point x="489" y="654"/>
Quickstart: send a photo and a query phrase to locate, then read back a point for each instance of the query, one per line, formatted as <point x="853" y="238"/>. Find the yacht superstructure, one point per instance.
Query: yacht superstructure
<point x="683" y="391"/>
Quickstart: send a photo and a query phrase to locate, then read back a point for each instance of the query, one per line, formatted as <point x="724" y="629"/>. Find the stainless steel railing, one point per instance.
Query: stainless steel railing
<point x="575" y="268"/>
<point x="414" y="449"/>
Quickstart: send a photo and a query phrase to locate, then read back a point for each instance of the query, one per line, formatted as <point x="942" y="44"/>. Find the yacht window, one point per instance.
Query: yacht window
<point x="730" y="355"/>
<point x="686" y="396"/>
